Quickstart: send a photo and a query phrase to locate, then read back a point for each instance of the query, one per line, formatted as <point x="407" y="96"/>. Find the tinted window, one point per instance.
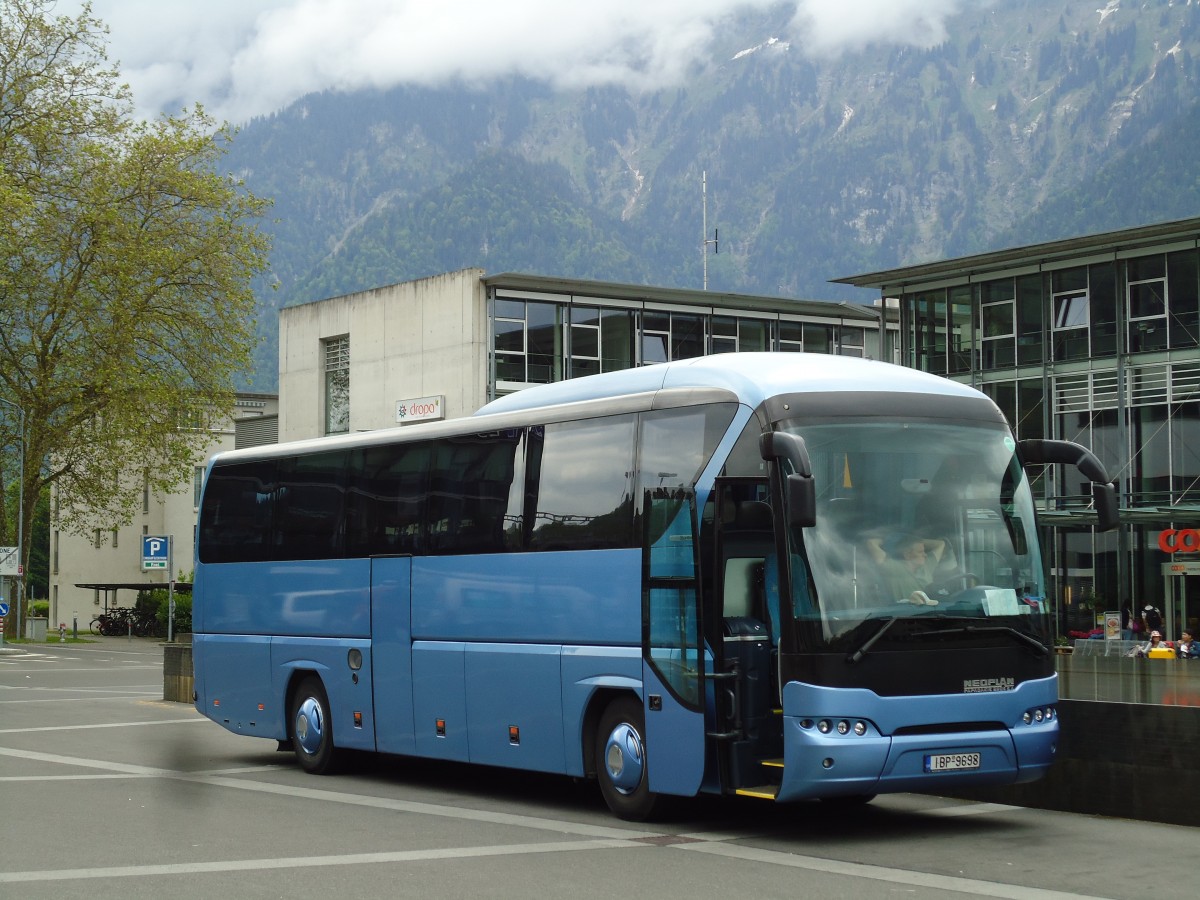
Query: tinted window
<point x="469" y="488"/>
<point x="579" y="486"/>
<point x="385" y="501"/>
<point x="677" y="443"/>
<point x="308" y="507"/>
<point x="235" y="519"/>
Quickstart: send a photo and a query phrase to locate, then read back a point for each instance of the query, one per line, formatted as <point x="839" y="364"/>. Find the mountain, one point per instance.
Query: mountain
<point x="1033" y="120"/>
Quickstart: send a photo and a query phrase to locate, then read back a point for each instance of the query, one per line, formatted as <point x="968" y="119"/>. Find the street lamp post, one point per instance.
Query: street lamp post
<point x="20" y="513"/>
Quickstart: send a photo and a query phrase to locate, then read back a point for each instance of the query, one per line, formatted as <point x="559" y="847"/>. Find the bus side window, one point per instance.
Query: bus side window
<point x="385" y="500"/>
<point x="471" y="479"/>
<point x="581" y="496"/>
<point x="308" y="514"/>
<point x="235" y="520"/>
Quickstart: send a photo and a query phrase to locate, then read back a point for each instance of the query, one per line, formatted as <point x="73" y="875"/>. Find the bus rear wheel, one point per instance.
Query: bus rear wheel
<point x="621" y="761"/>
<point x="310" y="727"/>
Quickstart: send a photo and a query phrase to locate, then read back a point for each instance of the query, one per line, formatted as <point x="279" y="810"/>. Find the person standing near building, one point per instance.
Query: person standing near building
<point x="1152" y="617"/>
<point x="1187" y="648"/>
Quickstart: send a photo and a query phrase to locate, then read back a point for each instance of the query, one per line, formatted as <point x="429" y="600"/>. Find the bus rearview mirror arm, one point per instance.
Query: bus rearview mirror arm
<point x="1104" y="491"/>
<point x="800" y="492"/>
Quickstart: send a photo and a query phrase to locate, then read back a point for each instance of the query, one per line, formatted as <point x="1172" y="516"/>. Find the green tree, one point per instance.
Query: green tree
<point x="126" y="261"/>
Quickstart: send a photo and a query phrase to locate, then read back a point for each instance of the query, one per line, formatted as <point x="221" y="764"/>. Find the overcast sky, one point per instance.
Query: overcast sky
<point x="243" y="58"/>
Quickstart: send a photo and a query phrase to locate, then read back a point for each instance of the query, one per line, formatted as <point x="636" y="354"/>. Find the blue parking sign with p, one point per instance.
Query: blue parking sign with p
<point x="156" y="551"/>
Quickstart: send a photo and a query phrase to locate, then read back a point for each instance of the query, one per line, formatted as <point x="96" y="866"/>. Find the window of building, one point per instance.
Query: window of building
<point x="145" y="492"/>
<point x="730" y="334"/>
<point x="1147" y="292"/>
<point x="601" y="340"/>
<point x="528" y="341"/>
<point x="1069" y="308"/>
<point x="337" y="385"/>
<point x="1185" y="453"/>
<point x="997" y="324"/>
<point x="197" y="485"/>
<point x="929" y="331"/>
<point x="1031" y="342"/>
<point x="1103" y="308"/>
<point x="851" y="341"/>
<point x="791" y="336"/>
<point x="960" y="342"/>
<point x="1184" y="326"/>
<point x="670" y="336"/>
<point x="818" y="338"/>
<point x="585" y="340"/>
<point x="114" y="538"/>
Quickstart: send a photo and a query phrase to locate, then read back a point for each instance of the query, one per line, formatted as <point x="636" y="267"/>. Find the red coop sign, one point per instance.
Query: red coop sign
<point x="1179" y="540"/>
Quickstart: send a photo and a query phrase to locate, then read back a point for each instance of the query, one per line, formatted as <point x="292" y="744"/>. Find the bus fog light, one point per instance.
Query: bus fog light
<point x="843" y="727"/>
<point x="860" y="728"/>
<point x="1027" y="718"/>
<point x="806" y="723"/>
<point x="827" y="763"/>
<point x="824" y="726"/>
<point x="1038" y="715"/>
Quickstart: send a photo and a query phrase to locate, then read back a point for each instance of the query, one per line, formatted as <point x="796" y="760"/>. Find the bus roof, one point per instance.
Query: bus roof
<point x="752" y="377"/>
<point x="749" y="378"/>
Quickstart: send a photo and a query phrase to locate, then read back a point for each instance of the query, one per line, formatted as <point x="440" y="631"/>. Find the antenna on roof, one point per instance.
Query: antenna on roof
<point x="704" y="227"/>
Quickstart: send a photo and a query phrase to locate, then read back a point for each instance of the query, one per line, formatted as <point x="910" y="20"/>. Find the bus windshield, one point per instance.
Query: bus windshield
<point x="917" y="520"/>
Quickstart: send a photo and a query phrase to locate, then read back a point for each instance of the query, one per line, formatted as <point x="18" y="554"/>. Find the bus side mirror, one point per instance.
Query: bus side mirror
<point x="1104" y="492"/>
<point x="801" y="501"/>
<point x="800" y="492"/>
<point x="1104" y="499"/>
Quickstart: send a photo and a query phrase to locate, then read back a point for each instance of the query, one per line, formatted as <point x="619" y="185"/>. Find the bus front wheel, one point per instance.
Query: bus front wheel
<point x="311" y="728"/>
<point x="621" y="761"/>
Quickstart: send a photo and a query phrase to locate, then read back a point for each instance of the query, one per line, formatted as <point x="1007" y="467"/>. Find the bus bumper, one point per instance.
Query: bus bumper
<point x="840" y="742"/>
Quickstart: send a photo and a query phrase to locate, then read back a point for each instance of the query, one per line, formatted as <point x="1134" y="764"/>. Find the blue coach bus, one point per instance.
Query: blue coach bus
<point x="788" y="576"/>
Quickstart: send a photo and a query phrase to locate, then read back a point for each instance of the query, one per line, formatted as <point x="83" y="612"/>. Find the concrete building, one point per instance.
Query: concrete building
<point x="441" y="347"/>
<point x="1094" y="339"/>
<point x="114" y="556"/>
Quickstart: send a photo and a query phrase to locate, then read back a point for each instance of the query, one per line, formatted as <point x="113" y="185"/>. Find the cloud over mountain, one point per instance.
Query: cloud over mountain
<point x="247" y="59"/>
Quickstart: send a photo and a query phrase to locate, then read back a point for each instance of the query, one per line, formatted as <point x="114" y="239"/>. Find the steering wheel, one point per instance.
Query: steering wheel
<point x="952" y="584"/>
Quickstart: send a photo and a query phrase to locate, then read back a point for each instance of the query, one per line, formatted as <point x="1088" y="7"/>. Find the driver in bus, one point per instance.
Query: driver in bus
<point x="909" y="567"/>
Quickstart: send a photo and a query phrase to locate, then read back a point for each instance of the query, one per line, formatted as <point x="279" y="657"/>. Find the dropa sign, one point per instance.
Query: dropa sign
<point x="421" y="409"/>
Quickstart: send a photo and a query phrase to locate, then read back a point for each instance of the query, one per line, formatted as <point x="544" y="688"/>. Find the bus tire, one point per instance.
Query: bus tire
<point x="621" y="761"/>
<point x="310" y="727"/>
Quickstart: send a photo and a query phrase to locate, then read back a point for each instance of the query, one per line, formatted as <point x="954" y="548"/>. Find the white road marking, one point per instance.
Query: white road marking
<point x="598" y="837"/>
<point x="879" y="873"/>
<point x="198" y="718"/>
<point x="305" y="862"/>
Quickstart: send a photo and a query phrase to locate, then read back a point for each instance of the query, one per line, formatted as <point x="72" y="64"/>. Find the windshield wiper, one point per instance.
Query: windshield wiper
<point x="997" y="629"/>
<point x="870" y="642"/>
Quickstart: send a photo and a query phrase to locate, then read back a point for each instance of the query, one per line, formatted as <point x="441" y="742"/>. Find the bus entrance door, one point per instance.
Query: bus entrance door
<point x="673" y="666"/>
<point x="747" y="732"/>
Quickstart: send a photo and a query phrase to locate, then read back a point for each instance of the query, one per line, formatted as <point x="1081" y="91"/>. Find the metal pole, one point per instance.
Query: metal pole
<point x="171" y="588"/>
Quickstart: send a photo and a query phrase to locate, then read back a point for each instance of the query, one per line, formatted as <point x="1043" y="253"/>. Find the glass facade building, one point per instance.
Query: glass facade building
<point x="1096" y="340"/>
<point x="548" y="329"/>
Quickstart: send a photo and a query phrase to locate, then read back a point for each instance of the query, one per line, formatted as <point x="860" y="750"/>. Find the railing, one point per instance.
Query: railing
<point x="1095" y="671"/>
